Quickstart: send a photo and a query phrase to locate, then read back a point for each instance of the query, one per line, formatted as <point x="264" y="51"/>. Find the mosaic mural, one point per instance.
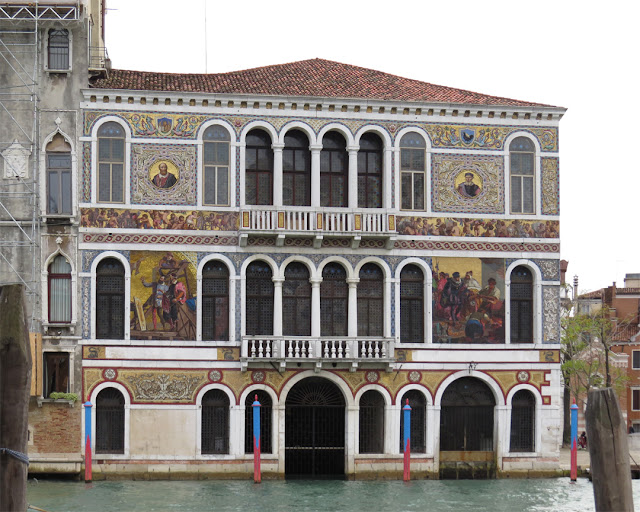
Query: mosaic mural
<point x="467" y="184"/>
<point x="459" y="136"/>
<point x="158" y="219"/>
<point x="508" y="228"/>
<point x="163" y="174"/>
<point x="163" y="295"/>
<point x="468" y="300"/>
<point x="550" y="186"/>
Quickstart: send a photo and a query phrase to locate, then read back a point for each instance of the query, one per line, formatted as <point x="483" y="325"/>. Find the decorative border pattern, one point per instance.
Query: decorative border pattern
<point x="158" y="239"/>
<point x="86" y="171"/>
<point x="550" y="186"/>
<point x="477" y="246"/>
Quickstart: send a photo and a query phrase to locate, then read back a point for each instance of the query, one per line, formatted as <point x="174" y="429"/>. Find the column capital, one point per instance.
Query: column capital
<point x="315" y="281"/>
<point x="353" y="149"/>
<point x="277" y="146"/>
<point x="277" y="281"/>
<point x="315" y="147"/>
<point x="352" y="281"/>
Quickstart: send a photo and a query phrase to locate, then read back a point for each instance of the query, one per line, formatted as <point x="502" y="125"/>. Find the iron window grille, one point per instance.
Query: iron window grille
<point x="411" y="304"/>
<point x="371" y="422"/>
<point x="334" y="300"/>
<point x="215" y="301"/>
<point x="370" y="301"/>
<point x="259" y="299"/>
<point x="418" y="426"/>
<point x="58" y="50"/>
<point x="265" y="422"/>
<point x="215" y="423"/>
<point x="110" y="299"/>
<point x="521" y="303"/>
<point x="523" y="407"/>
<point x="296" y="301"/>
<point x="110" y="421"/>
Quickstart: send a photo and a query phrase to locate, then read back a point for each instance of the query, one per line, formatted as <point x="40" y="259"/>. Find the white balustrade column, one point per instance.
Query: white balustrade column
<point x="353" y="176"/>
<point x="277" y="306"/>
<point x="315" y="174"/>
<point x="315" y="306"/>
<point x="388" y="155"/>
<point x="277" y="173"/>
<point x="352" y="326"/>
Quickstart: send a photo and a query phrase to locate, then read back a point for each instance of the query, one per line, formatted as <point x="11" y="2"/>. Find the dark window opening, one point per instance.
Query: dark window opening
<point x="296" y="169"/>
<point x="215" y="301"/>
<point x="371" y="437"/>
<point x="296" y="301"/>
<point x="523" y="407"/>
<point x="259" y="168"/>
<point x="370" y="171"/>
<point x="56" y="373"/>
<point x="58" y="50"/>
<point x="111" y="149"/>
<point x="521" y="291"/>
<point x="216" y="166"/>
<point x="411" y="305"/>
<point x="370" y="301"/>
<point x="110" y="304"/>
<point x="259" y="308"/>
<point x="110" y="421"/>
<point x="418" y="426"/>
<point x="265" y="422"/>
<point x="334" y="171"/>
<point x="215" y="422"/>
<point x="334" y="301"/>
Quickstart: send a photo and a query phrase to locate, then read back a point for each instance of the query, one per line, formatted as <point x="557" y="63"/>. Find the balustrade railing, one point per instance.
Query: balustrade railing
<point x="308" y="348"/>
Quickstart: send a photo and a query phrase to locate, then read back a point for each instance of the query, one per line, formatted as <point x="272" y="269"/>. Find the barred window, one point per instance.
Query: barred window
<point x="215" y="422"/>
<point x="58" y="50"/>
<point x="334" y="300"/>
<point x="110" y="421"/>
<point x="371" y="422"/>
<point x="523" y="408"/>
<point x="334" y="170"/>
<point x="259" y="298"/>
<point x="265" y="421"/>
<point x="56" y="373"/>
<point x="411" y="304"/>
<point x="522" y="164"/>
<point x="370" y="171"/>
<point x="370" y="301"/>
<point x="259" y="168"/>
<point x="110" y="299"/>
<point x="296" y="300"/>
<point x="111" y="149"/>
<point x="521" y="303"/>
<point x="215" y="301"/>
<point x="418" y="427"/>
<point x="412" y="171"/>
<point x="59" y="287"/>
<point x="216" y="166"/>
<point x="296" y="169"/>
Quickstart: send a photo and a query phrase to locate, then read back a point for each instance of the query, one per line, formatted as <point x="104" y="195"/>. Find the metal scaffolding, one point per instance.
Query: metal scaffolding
<point x="20" y="219"/>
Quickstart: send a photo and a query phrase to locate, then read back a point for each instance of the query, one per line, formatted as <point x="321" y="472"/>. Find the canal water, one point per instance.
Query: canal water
<point x="537" y="495"/>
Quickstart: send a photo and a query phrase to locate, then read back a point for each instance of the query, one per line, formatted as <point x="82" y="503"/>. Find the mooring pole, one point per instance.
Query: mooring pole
<point x="574" y="441"/>
<point x="406" y="410"/>
<point x="88" y="469"/>
<point x="15" y="383"/>
<point x="257" y="477"/>
<point x="609" y="452"/>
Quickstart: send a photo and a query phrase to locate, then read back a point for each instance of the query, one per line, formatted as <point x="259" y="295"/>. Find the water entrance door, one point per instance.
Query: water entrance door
<point x="314" y="430"/>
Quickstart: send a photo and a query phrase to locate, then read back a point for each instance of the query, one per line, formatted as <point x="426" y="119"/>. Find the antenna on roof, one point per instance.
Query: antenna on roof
<point x="205" y="38"/>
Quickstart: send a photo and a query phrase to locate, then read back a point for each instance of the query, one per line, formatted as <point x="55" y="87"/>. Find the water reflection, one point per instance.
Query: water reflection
<point x="537" y="495"/>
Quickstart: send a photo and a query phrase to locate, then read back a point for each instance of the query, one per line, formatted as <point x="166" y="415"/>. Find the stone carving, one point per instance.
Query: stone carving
<point x="163" y="386"/>
<point x="551" y="314"/>
<point x="16" y="161"/>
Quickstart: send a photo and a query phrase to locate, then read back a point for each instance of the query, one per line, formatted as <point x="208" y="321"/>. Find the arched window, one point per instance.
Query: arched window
<point x="334" y="301"/>
<point x="58" y="176"/>
<point x="259" y="168"/>
<point x="411" y="304"/>
<point x="111" y="163"/>
<point x="522" y="164"/>
<point x="59" y="280"/>
<point x="521" y="303"/>
<point x="370" y="171"/>
<point x="412" y="171"/>
<point x="371" y="422"/>
<point x="215" y="301"/>
<point x="418" y="430"/>
<point x="523" y="421"/>
<point x="259" y="311"/>
<point x="109" y="421"/>
<point x="296" y="300"/>
<point x="296" y="169"/>
<point x="110" y="299"/>
<point x="370" y="301"/>
<point x="215" y="422"/>
<point x="216" y="166"/>
<point x="334" y="170"/>
<point x="265" y="422"/>
<point x="58" y="50"/>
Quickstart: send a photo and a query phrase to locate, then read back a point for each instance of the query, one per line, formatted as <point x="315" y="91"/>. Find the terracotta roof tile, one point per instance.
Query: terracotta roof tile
<point x="313" y="77"/>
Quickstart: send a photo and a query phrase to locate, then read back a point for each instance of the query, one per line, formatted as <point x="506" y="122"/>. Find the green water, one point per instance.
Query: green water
<point x="326" y="496"/>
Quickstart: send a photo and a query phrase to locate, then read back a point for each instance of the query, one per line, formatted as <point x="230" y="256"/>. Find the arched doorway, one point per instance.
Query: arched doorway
<point x="314" y="430"/>
<point x="466" y="430"/>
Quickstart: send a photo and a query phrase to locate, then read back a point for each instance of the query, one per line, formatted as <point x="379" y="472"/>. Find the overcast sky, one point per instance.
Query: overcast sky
<point x="578" y="55"/>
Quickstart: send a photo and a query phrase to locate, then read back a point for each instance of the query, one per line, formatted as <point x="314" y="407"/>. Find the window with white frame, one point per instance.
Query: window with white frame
<point x="59" y="291"/>
<point x="56" y="373"/>
<point x="58" y="50"/>
<point x="111" y="149"/>
<point x="522" y="165"/>
<point x="216" y="166"/>
<point x="412" y="171"/>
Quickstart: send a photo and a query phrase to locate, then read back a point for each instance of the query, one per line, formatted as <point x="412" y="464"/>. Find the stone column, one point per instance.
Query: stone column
<point x="353" y="176"/>
<point x="386" y="183"/>
<point x="277" y="305"/>
<point x="277" y="173"/>
<point x="315" y="174"/>
<point x="352" y="325"/>
<point x="315" y="306"/>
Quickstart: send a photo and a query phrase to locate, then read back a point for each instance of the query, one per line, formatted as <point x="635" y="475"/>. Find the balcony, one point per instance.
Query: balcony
<point x="317" y="224"/>
<point x="261" y="351"/>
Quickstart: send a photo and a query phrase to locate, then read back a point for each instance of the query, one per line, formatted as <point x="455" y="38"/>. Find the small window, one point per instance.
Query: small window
<point x="635" y="405"/>
<point x="56" y="373"/>
<point x="636" y="359"/>
<point x="216" y="166"/>
<point x="215" y="422"/>
<point x="58" y="53"/>
<point x="412" y="171"/>
<point x="522" y="164"/>
<point x="111" y="149"/>
<point x="59" y="288"/>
